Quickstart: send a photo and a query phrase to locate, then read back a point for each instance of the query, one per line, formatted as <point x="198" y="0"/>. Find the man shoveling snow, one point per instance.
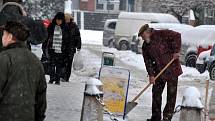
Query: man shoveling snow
<point x="159" y="47"/>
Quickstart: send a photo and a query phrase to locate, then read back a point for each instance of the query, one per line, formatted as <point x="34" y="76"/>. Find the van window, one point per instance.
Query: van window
<point x="112" y="25"/>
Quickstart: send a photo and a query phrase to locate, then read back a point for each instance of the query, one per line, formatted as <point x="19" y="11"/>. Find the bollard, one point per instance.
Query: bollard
<point x="191" y="108"/>
<point x="92" y="110"/>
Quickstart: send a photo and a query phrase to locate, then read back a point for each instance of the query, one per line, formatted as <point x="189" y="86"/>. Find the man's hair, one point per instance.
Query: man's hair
<point x="19" y="31"/>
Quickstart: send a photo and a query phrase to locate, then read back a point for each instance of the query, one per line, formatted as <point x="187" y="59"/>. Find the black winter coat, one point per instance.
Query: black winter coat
<point x="70" y="39"/>
<point x="22" y="85"/>
<point x="76" y="36"/>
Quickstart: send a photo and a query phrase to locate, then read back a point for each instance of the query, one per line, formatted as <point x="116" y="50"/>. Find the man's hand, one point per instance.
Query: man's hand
<point x="212" y="119"/>
<point x="176" y="55"/>
<point x="152" y="79"/>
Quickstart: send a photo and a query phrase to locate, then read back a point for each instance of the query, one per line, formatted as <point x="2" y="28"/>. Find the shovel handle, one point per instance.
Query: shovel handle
<point x="161" y="72"/>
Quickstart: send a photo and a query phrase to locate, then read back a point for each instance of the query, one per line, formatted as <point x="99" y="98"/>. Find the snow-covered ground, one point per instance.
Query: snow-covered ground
<point x="92" y="51"/>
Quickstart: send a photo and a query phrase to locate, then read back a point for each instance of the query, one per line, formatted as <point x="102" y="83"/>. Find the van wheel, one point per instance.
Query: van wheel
<point x="191" y="60"/>
<point x="124" y="45"/>
<point x="212" y="72"/>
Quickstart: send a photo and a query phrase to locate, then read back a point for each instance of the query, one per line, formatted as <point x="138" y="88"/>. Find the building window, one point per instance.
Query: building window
<point x="99" y="6"/>
<point x="122" y="5"/>
<point x="110" y="6"/>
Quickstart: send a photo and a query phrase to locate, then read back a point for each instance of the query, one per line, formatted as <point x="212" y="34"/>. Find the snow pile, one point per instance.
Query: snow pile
<point x="91" y="37"/>
<point x="128" y="57"/>
<point x="190" y="74"/>
<point x="94" y="81"/>
<point x="192" y="98"/>
<point x="36" y="49"/>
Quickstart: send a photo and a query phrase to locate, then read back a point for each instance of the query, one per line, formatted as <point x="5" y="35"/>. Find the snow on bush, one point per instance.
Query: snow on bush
<point x="192" y="98"/>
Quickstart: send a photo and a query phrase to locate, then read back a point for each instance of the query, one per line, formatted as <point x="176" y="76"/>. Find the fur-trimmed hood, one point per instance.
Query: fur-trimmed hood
<point x="20" y="9"/>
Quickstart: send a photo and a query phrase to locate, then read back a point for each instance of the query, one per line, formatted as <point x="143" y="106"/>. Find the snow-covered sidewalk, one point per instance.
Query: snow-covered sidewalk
<point x="65" y="101"/>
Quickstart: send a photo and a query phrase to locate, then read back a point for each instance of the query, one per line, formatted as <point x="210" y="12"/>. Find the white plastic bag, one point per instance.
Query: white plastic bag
<point x="78" y="62"/>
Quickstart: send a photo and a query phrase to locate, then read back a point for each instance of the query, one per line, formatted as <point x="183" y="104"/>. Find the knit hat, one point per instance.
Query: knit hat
<point x="18" y="30"/>
<point x="144" y="28"/>
<point x="60" y="15"/>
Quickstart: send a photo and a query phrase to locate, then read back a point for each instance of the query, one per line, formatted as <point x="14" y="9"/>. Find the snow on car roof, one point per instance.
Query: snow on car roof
<point x="206" y="26"/>
<point x="199" y="36"/>
<point x="154" y="17"/>
<point x="171" y="26"/>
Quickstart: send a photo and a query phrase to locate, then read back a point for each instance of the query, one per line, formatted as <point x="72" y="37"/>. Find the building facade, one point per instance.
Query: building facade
<point x="107" y="5"/>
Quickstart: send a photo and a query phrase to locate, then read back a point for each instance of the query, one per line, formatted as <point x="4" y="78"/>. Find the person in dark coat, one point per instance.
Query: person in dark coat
<point x="159" y="48"/>
<point x="76" y="42"/>
<point x="58" y="46"/>
<point x="12" y="10"/>
<point x="22" y="80"/>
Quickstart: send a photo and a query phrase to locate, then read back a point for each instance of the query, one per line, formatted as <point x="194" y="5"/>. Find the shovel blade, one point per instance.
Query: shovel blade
<point x="130" y="106"/>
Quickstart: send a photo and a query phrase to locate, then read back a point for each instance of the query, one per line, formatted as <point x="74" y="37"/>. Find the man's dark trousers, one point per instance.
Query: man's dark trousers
<point x="56" y="67"/>
<point x="157" y="91"/>
<point x="68" y="67"/>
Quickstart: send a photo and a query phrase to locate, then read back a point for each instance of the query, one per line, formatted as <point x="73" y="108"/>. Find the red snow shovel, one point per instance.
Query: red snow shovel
<point x="131" y="105"/>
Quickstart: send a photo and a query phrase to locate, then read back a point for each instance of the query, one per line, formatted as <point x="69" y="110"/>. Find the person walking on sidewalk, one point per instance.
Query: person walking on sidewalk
<point x="75" y="45"/>
<point x="57" y="46"/>
<point x="159" y="47"/>
<point x="22" y="79"/>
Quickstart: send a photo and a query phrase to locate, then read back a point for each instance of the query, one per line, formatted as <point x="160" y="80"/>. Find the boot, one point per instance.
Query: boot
<point x="57" y="82"/>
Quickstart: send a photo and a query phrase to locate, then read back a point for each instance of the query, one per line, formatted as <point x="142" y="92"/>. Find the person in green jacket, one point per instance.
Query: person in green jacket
<point x="22" y="79"/>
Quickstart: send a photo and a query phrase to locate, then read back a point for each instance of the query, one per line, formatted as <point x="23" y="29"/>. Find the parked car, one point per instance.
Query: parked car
<point x="108" y="34"/>
<point x="211" y="63"/>
<point x="129" y="23"/>
<point x="201" y="63"/>
<point x="195" y="41"/>
<point x="136" y="43"/>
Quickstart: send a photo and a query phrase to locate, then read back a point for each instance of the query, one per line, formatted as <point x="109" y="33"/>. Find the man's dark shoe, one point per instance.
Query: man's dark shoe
<point x="57" y="83"/>
<point x="50" y="82"/>
<point x="62" y="80"/>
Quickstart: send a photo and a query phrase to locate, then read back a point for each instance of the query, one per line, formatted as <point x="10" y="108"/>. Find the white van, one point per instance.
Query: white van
<point x="129" y="23"/>
<point x="108" y="34"/>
